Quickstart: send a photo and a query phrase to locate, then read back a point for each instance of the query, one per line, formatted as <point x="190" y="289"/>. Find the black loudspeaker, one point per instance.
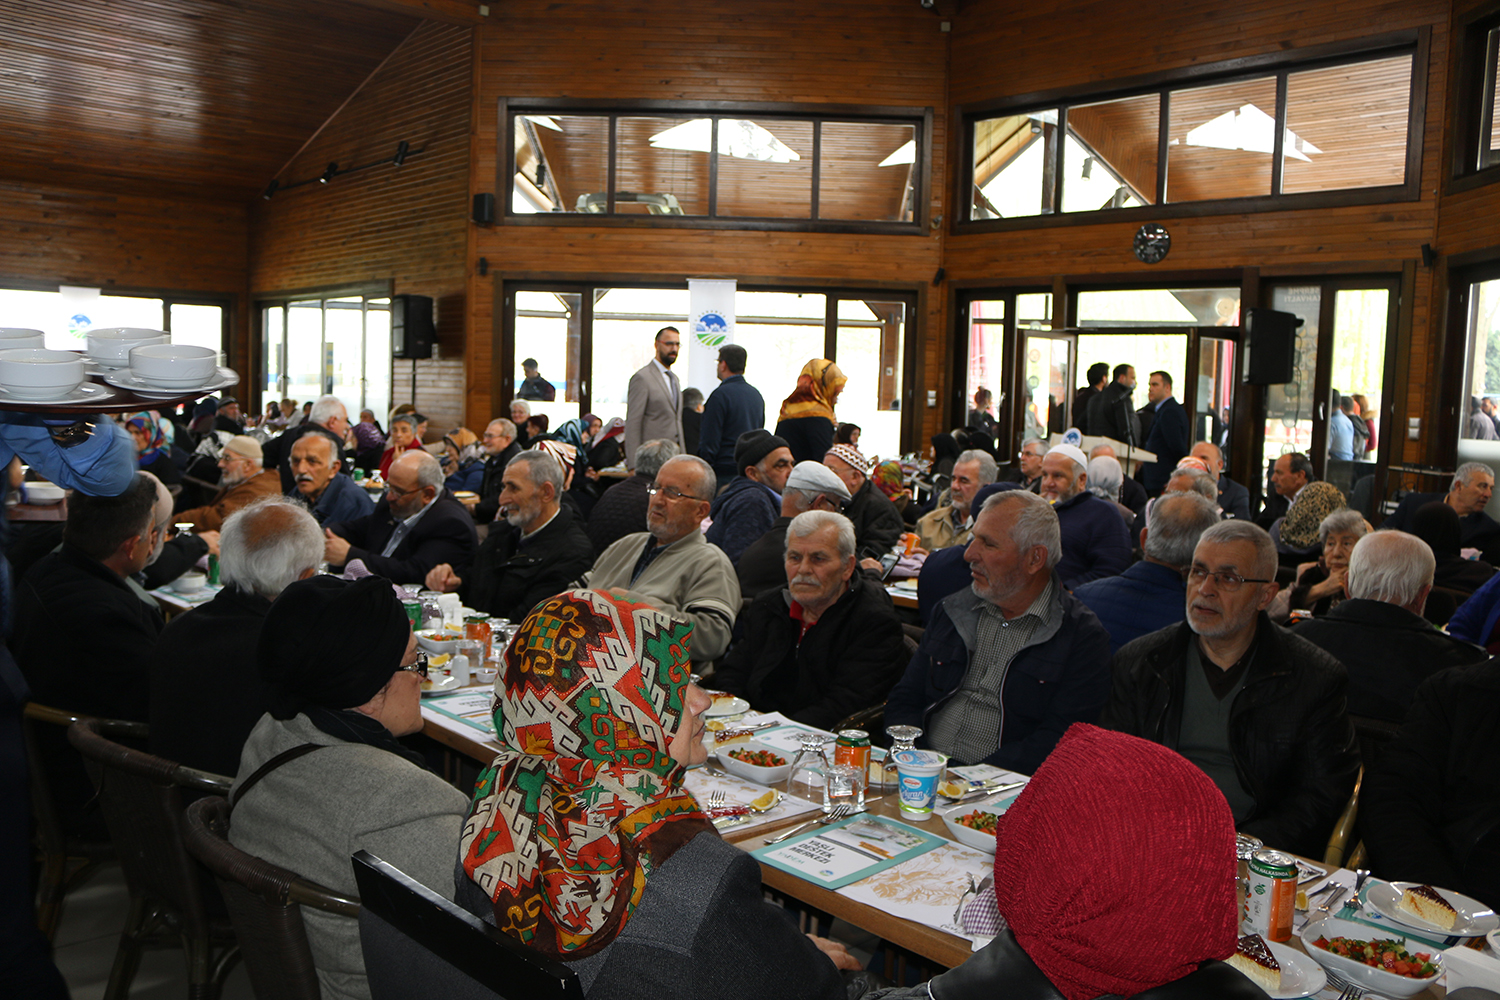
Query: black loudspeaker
<point x="484" y="209"/>
<point x="1270" y="346"/>
<point x="411" y="326"/>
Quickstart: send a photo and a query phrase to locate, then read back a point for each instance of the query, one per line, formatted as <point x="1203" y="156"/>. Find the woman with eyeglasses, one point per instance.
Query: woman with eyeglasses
<point x="323" y="775"/>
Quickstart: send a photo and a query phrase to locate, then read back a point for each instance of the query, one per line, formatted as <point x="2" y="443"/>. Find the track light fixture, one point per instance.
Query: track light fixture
<point x="403" y="151"/>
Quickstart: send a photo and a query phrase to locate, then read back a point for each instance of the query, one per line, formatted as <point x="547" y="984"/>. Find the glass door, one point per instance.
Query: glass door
<point x="1210" y="394"/>
<point x="1047" y="364"/>
<point x="869" y="351"/>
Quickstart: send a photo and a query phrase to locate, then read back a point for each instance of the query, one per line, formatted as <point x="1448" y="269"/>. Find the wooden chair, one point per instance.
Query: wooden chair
<point x="1343" y="830"/>
<point x="139" y="793"/>
<point x="416" y="943"/>
<point x="65" y="859"/>
<point x="265" y="906"/>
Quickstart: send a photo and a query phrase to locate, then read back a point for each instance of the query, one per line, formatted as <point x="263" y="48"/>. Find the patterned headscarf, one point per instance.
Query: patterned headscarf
<point x="1101" y="805"/>
<point x="584" y="800"/>
<point x="888" y="479"/>
<point x="155" y="439"/>
<point x="466" y="443"/>
<point x="566" y="454"/>
<point x="818" y="386"/>
<point x="1299" y="529"/>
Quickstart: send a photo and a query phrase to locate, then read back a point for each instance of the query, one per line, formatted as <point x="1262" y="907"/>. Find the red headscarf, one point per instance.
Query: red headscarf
<point x="1110" y="830"/>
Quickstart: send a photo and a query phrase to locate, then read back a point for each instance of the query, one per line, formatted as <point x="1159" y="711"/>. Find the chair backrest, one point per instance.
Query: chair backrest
<point x="1373" y="734"/>
<point x="37" y="724"/>
<point x="138" y="793"/>
<point x="265" y="905"/>
<point x="416" y="943"/>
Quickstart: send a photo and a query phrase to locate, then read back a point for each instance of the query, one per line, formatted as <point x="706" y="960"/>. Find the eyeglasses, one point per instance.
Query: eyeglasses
<point x="398" y="492"/>
<point x="671" y="493"/>
<point x="419" y="667"/>
<point x="1225" y="580"/>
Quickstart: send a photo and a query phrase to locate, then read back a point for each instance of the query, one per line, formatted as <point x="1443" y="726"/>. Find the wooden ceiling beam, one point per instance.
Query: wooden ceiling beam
<point x="446" y="11"/>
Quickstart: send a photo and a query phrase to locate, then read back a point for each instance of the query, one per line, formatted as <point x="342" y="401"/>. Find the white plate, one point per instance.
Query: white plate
<point x="1300" y="975"/>
<point x="441" y="685"/>
<point x="1386" y="984"/>
<point x="123" y="379"/>
<point x="731" y="706"/>
<point x="1474" y="918"/>
<point x="88" y="392"/>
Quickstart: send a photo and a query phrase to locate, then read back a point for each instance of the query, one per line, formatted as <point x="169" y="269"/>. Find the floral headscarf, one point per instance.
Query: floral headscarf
<point x="1299" y="529"/>
<point x="818" y="386"/>
<point x="155" y="439"/>
<point x="584" y="800"/>
<point x="888" y="479"/>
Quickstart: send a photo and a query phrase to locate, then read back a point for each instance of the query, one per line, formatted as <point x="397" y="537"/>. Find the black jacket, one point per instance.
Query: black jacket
<point x="762" y="566"/>
<point x="620" y="511"/>
<point x="809" y="438"/>
<point x="732" y="409"/>
<point x="489" y="487"/>
<point x="510" y="577"/>
<point x="445" y="534"/>
<point x="847" y="661"/>
<point x="1293" y="745"/>
<point x="206" y="691"/>
<point x="1388" y="651"/>
<point x="877" y="522"/>
<point x="1111" y="415"/>
<point x="1477" y="530"/>
<point x="1430" y="808"/>
<point x="1234" y="499"/>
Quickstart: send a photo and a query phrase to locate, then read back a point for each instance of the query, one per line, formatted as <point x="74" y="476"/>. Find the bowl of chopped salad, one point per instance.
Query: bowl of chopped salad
<point x="1382" y="961"/>
<point x="757" y="762"/>
<point x="973" y="823"/>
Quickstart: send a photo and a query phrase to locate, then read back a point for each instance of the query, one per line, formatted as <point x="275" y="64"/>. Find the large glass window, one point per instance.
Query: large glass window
<point x="1290" y="408"/>
<point x="1220" y="141"/>
<point x="339" y="345"/>
<point x="1346" y="126"/>
<point x="1483" y="380"/>
<point x="1476" y="125"/>
<point x="1358" y="375"/>
<point x="67" y="315"/>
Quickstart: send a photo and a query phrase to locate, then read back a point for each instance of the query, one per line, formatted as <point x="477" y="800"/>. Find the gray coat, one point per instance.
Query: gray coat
<point x="312" y="813"/>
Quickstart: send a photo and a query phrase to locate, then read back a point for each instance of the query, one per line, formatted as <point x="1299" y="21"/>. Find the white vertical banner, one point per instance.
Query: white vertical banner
<point x="711" y="326"/>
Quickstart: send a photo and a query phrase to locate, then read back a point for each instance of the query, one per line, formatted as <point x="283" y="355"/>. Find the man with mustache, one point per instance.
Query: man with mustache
<point x="828" y="644"/>
<point x="318" y="479"/>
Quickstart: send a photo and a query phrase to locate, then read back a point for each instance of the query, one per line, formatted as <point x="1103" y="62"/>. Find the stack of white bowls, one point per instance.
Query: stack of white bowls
<point x="173" y="367"/>
<point x="110" y="347"/>
<point x="37" y="375"/>
<point x="12" y="337"/>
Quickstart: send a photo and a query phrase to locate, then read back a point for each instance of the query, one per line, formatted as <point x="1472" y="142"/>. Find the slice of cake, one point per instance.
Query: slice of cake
<point x="1255" y="960"/>
<point x="1423" y="902"/>
<point x="731" y="737"/>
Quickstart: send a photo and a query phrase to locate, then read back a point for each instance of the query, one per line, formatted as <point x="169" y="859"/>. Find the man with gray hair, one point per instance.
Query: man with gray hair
<point x="1379" y="633"/>
<point x="1473" y="486"/>
<point x="1028" y="468"/>
<point x="670" y="565"/>
<point x="416" y="525"/>
<point x="537" y="552"/>
<point x="949" y="523"/>
<point x="206" y="691"/>
<point x="328" y="417"/>
<point x="499" y="444"/>
<point x="811" y="486"/>
<point x="825" y="644"/>
<point x="621" y="509"/>
<point x="1260" y="710"/>
<point x="1009" y="664"/>
<point x="1151" y="594"/>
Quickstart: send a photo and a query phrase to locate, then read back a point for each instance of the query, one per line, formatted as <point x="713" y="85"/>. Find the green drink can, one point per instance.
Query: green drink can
<point x="213" y="569"/>
<point x="414" y="612"/>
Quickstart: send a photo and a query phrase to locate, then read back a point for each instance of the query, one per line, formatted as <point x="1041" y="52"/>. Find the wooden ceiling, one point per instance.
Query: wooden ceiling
<point x="200" y="98"/>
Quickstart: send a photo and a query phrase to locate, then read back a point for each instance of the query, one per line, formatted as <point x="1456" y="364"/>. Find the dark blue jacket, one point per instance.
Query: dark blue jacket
<point x="468" y="477"/>
<point x="732" y="409"/>
<point x="1234" y="499"/>
<point x="1170" y="438"/>
<point x="1095" y="541"/>
<point x="343" y="500"/>
<point x="741" y="514"/>
<point x="943" y="574"/>
<point x="1060" y="677"/>
<point x="1146" y="597"/>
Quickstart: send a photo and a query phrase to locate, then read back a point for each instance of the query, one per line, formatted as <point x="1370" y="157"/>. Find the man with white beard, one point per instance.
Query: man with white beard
<point x="242" y="480"/>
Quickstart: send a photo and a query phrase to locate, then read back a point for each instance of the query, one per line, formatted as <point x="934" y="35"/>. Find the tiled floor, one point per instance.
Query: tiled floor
<point x="89" y="933"/>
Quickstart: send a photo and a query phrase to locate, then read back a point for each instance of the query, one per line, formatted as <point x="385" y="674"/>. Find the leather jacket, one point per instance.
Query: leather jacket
<point x="1293" y="745"/>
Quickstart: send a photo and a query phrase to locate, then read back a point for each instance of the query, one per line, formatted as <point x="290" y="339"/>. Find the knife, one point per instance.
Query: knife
<point x="1338" y="895"/>
<point x="983" y="790"/>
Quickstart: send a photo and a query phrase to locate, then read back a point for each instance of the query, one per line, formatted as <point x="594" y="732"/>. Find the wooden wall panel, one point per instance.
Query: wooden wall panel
<point x="408" y="224"/>
<point x="876" y="52"/>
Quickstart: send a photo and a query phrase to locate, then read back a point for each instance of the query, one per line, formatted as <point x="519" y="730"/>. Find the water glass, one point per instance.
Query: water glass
<point x="806" y="779"/>
<point x="845" y="785"/>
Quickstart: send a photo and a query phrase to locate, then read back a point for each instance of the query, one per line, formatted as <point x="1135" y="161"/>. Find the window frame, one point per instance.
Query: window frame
<point x="1474" y="108"/>
<point x="1415" y="42"/>
<point x="919" y="118"/>
<point x="283" y="300"/>
<point x="227" y="302"/>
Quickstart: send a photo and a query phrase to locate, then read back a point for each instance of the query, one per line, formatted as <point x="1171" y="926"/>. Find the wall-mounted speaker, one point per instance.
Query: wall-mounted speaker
<point x="411" y="326"/>
<point x="1270" y="346"/>
<point x="484" y="209"/>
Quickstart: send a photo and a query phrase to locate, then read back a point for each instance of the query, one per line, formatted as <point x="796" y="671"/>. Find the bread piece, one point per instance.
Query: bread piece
<point x="1254" y="959"/>
<point x="1424" y="902"/>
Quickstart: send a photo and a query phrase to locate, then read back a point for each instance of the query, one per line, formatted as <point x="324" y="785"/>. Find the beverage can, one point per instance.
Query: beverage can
<point x="213" y="569"/>
<point x="414" y="612"/>
<point x="1271" y="894"/>
<point x="853" y="748"/>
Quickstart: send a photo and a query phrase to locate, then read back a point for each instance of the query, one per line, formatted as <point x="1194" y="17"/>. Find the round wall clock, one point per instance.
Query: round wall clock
<point x="1152" y="241"/>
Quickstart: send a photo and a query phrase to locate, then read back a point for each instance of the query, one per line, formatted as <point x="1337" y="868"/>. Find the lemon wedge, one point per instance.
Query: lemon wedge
<point x="765" y="801"/>
<point x="438" y="660"/>
<point x="952" y="789"/>
<point x="717" y="726"/>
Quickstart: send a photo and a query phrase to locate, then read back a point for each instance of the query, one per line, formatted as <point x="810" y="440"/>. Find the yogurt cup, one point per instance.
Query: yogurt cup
<point x="918" y="773"/>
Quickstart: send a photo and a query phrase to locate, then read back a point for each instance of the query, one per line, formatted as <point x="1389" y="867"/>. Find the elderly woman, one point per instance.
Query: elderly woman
<point x="582" y="842"/>
<point x="1106" y="480"/>
<point x="323" y="775"/>
<point x="153" y="449"/>
<point x="806" y="422"/>
<point x="1320" y="585"/>
<point x="403" y="438"/>
<point x="463" y="460"/>
<point x="1071" y="925"/>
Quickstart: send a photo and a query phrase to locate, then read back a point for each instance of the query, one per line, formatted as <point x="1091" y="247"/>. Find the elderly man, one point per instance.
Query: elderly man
<point x="653" y="400"/>
<point x="1006" y="666"/>
<point x="1150" y="595"/>
<point x="499" y="444"/>
<point x="541" y="549"/>
<point x="319" y="481"/>
<point x="827" y="643"/>
<point x="1379" y="633"/>
<point x="1095" y="541"/>
<point x="1290" y="473"/>
<point x="206" y="691"/>
<point x="733" y="409"/>
<point x="242" y="480"/>
<point x="748" y="505"/>
<point x="416" y="525"/>
<point x="1234" y="499"/>
<point x="877" y="522"/>
<point x="1473" y="485"/>
<point x="948" y="524"/>
<point x="621" y="509"/>
<point x="811" y="486"/>
<point x="1028" y="470"/>
<point x="229" y="418"/>
<point x="327" y="417"/>
<point x="1170" y="435"/>
<point x="670" y="565"/>
<point x="1260" y="710"/>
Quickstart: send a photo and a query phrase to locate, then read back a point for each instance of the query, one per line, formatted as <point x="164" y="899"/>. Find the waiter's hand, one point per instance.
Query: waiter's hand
<point x="335" y="549"/>
<point x="442" y="578"/>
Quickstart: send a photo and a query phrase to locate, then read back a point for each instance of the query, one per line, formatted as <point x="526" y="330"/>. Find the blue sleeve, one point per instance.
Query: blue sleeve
<point x="102" y="465"/>
<point x="1475" y="618"/>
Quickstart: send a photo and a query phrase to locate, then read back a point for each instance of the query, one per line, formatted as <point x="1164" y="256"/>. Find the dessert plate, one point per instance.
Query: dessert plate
<point x="727" y="706"/>
<point x="1474" y="918"/>
<point x="1300" y="975"/>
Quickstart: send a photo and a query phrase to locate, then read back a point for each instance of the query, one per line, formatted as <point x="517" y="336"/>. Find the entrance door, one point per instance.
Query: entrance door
<point x="1046" y="397"/>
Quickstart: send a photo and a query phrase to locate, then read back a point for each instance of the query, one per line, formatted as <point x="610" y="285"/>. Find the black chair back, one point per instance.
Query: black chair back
<point x="416" y="943"/>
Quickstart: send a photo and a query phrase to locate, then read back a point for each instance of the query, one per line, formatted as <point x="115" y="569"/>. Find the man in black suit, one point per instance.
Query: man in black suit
<point x="416" y="525"/>
<point x="1473" y="485"/>
<point x="1169" y="435"/>
<point x="1234" y="499"/>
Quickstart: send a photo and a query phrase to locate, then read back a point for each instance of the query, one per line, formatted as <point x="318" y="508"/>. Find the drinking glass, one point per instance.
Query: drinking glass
<point x="807" y="778"/>
<point x="845" y="785"/>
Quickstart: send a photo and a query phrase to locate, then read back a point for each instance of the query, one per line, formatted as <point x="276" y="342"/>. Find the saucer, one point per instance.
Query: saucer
<point x="124" y="379"/>
<point x="87" y="392"/>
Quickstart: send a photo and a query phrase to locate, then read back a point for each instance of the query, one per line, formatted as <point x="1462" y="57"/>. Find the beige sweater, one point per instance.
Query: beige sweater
<point x="691" y="579"/>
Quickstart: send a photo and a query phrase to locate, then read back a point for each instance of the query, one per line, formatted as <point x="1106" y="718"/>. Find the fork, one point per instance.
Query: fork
<point x="716" y="800"/>
<point x="1347" y="990"/>
<point x="840" y="811"/>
